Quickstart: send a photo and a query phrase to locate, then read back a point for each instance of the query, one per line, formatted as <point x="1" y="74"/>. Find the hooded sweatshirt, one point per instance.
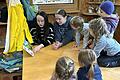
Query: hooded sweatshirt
<point x="112" y="23"/>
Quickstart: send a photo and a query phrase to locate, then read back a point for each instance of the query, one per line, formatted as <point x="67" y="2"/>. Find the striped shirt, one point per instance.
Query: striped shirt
<point x="40" y="37"/>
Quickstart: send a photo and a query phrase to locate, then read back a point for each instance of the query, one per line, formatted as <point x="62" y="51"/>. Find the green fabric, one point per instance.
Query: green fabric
<point x="11" y="63"/>
<point x="29" y="10"/>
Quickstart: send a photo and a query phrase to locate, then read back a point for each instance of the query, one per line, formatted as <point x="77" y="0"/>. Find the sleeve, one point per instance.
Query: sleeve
<point x="50" y="38"/>
<point x="58" y="36"/>
<point x="68" y="36"/>
<point x="109" y="27"/>
<point x="34" y="34"/>
<point x="85" y="34"/>
<point x="97" y="72"/>
<point x="100" y="45"/>
<point x="85" y="38"/>
<point x="77" y="38"/>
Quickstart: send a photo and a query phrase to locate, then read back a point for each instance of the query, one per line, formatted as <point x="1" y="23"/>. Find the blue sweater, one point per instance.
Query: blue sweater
<point x="63" y="33"/>
<point x="108" y="44"/>
<point x="82" y="73"/>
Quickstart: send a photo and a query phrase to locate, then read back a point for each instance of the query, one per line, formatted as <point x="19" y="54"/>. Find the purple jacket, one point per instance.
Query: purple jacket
<point x="112" y="22"/>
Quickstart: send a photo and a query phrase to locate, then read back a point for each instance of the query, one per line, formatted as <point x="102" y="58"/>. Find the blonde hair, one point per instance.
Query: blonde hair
<point x="88" y="57"/>
<point x="99" y="27"/>
<point x="64" y="68"/>
<point x="77" y="21"/>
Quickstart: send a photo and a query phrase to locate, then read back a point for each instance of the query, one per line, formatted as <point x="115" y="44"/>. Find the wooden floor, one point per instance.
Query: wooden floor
<point x="41" y="66"/>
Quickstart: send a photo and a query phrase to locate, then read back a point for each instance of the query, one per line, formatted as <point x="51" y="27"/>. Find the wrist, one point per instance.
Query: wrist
<point x="60" y="44"/>
<point x="41" y="45"/>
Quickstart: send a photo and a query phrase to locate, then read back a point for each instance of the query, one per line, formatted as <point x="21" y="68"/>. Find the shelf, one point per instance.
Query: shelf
<point x="116" y="4"/>
<point x="2" y="46"/>
<point x="68" y="11"/>
<point x="90" y="14"/>
<point x="3" y="23"/>
<point x="98" y="3"/>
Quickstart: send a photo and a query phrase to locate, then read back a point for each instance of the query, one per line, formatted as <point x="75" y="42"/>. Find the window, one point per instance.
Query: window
<point x="51" y="1"/>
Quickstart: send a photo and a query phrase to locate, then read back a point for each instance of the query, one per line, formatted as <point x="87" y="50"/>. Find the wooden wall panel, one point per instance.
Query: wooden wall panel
<point x="51" y="8"/>
<point x="72" y="9"/>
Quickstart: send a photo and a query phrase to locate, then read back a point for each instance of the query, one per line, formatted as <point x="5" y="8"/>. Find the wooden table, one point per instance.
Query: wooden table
<point x="41" y="66"/>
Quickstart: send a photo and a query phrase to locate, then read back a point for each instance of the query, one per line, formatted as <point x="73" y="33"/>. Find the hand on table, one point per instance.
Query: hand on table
<point x="57" y="45"/>
<point x="37" y="48"/>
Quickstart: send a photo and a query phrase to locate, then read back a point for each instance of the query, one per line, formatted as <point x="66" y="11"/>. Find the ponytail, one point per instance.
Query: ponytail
<point x="91" y="72"/>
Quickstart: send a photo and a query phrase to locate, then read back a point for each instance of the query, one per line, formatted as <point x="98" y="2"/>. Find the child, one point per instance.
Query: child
<point x="77" y="23"/>
<point x="64" y="69"/>
<point x="42" y="34"/>
<point x="106" y="48"/>
<point x="106" y="10"/>
<point x="90" y="69"/>
<point x="63" y="30"/>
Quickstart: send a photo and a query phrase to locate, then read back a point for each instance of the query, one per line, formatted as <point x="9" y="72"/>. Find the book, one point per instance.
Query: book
<point x="28" y="48"/>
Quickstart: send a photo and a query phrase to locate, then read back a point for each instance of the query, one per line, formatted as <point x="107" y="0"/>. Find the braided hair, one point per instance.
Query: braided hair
<point x="64" y="68"/>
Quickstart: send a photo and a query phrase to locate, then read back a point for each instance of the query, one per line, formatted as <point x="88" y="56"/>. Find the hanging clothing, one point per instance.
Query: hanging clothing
<point x="17" y="29"/>
<point x="12" y="63"/>
<point x="29" y="11"/>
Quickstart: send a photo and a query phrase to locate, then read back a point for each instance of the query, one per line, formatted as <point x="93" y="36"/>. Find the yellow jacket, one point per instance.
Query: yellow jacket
<point x="18" y="29"/>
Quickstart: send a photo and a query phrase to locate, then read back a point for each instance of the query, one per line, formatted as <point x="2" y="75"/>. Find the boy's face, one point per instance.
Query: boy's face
<point x="60" y="19"/>
<point x="40" y="21"/>
<point x="101" y="13"/>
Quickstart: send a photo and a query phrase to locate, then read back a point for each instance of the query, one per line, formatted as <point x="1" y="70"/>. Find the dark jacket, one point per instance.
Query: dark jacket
<point x="63" y="33"/>
<point x="82" y="73"/>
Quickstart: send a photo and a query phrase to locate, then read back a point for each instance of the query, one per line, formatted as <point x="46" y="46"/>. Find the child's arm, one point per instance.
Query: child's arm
<point x="100" y="45"/>
<point x="85" y="38"/>
<point x="57" y="32"/>
<point x="50" y="38"/>
<point x="77" y="38"/>
<point x="68" y="36"/>
<point x="37" y="48"/>
<point x="85" y="34"/>
<point x="57" y="45"/>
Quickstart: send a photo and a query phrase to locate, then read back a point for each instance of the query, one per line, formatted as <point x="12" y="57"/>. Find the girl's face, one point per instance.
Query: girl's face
<point x="91" y="32"/>
<point x="60" y="19"/>
<point x="40" y="21"/>
<point x="74" y="27"/>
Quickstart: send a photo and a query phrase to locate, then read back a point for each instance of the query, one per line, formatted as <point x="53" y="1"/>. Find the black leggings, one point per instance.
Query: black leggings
<point x="109" y="61"/>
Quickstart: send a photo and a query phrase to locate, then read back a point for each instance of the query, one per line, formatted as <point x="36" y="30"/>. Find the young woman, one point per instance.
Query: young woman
<point x="63" y="30"/>
<point x="43" y="32"/>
